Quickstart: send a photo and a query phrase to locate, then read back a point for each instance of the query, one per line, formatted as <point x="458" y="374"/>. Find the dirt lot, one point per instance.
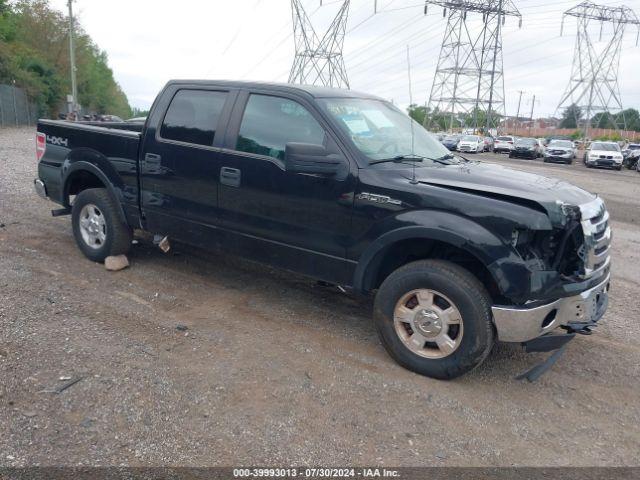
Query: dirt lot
<point x="275" y="369"/>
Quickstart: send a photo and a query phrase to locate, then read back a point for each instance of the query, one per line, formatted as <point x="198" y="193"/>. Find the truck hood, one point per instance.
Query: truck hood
<point x="493" y="180"/>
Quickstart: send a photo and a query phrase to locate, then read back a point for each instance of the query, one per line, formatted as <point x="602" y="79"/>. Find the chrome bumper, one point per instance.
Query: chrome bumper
<point x="40" y="187"/>
<point x="519" y="324"/>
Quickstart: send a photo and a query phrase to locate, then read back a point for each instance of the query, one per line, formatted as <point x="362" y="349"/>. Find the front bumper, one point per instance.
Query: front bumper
<point x="606" y="163"/>
<point x="524" y="153"/>
<point x="520" y="324"/>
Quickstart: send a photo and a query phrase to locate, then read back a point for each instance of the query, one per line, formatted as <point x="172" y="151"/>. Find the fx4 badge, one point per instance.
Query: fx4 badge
<point x="372" y="197"/>
<point x="63" y="142"/>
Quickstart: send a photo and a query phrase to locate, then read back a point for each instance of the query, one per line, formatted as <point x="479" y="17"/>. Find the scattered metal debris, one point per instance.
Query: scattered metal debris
<point x="64" y="386"/>
<point x="162" y="243"/>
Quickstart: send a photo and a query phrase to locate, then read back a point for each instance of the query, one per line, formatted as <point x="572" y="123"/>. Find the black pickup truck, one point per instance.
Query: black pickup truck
<point x="342" y="187"/>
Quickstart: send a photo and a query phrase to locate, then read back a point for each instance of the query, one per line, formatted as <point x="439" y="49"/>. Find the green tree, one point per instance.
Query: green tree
<point x="570" y="117"/>
<point x="417" y="112"/>
<point x="34" y="54"/>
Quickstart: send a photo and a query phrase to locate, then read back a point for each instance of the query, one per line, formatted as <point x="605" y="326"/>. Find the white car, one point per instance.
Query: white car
<point x="471" y="144"/>
<point x="603" y="154"/>
<point x="503" y="144"/>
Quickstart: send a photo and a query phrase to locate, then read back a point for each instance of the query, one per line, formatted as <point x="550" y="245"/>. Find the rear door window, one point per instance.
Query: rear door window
<point x="193" y="116"/>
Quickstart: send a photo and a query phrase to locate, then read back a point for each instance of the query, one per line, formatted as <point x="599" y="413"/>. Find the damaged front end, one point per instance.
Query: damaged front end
<point x="570" y="281"/>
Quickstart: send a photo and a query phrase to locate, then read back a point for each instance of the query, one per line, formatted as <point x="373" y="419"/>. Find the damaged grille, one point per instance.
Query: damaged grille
<point x="597" y="238"/>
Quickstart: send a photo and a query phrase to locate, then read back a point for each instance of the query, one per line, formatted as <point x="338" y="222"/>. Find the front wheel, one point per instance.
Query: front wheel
<point x="434" y="318"/>
<point x="98" y="227"/>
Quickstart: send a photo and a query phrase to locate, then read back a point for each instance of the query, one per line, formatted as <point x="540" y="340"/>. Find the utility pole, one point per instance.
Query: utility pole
<point x="533" y="104"/>
<point x="498" y="43"/>
<point x="518" y="111"/>
<point x="469" y="76"/>
<point x="72" y="57"/>
<point x="593" y="87"/>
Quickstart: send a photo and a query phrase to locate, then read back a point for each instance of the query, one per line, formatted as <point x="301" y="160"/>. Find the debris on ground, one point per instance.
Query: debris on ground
<point x="182" y="328"/>
<point x="64" y="386"/>
<point x="115" y="263"/>
<point x="164" y="245"/>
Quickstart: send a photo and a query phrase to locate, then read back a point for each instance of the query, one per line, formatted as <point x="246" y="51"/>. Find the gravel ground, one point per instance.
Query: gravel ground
<point x="275" y="369"/>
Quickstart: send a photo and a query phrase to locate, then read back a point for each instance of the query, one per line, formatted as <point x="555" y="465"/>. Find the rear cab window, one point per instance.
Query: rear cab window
<point x="192" y="116"/>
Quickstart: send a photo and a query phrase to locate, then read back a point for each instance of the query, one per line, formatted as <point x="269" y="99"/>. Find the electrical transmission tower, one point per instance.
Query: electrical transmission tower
<point x="468" y="85"/>
<point x="318" y="61"/>
<point x="593" y="87"/>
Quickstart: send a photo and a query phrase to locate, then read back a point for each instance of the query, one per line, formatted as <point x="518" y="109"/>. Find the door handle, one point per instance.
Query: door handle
<point x="230" y="176"/>
<point x="152" y="159"/>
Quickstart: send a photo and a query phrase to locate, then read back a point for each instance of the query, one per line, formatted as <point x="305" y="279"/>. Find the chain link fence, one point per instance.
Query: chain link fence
<point x="15" y="107"/>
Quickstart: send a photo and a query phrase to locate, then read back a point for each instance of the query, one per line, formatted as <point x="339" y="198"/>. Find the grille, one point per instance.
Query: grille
<point x="597" y="238"/>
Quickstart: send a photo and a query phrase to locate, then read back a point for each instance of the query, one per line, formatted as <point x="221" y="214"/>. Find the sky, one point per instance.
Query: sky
<point x="149" y="42"/>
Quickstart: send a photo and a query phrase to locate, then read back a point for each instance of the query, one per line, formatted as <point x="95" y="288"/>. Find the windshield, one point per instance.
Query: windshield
<point x="470" y="138"/>
<point x="451" y="138"/>
<point x="505" y="139"/>
<point x="526" y="141"/>
<point x="381" y="131"/>
<point x="561" y="143"/>
<point x="634" y="147"/>
<point x="607" y="147"/>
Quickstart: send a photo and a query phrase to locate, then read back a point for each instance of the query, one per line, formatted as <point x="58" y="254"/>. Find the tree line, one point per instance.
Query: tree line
<point x="34" y="55"/>
<point x="572" y="117"/>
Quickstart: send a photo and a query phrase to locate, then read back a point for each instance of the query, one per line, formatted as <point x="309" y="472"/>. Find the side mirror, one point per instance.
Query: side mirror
<point x="311" y="159"/>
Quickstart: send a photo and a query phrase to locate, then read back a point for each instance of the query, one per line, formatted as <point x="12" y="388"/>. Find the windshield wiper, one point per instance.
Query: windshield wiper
<point x="399" y="159"/>
<point x="411" y="156"/>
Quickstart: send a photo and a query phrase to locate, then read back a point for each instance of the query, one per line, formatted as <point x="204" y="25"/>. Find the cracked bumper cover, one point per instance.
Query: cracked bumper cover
<point x="520" y="324"/>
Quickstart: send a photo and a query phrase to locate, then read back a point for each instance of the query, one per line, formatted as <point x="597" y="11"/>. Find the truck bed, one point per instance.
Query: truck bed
<point x="112" y="151"/>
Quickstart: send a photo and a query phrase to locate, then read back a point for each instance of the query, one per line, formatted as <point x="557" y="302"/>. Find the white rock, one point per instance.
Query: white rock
<point x="116" y="263"/>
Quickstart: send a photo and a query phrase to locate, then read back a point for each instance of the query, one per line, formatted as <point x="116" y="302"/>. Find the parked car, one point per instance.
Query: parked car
<point x="488" y="144"/>
<point x="631" y="155"/>
<point x="471" y="144"/>
<point x="604" y="155"/>
<point x="561" y="151"/>
<point x="451" y="142"/>
<point x="525" y="148"/>
<point x="137" y="120"/>
<point x="343" y="188"/>
<point x="503" y="144"/>
<point x="109" y="118"/>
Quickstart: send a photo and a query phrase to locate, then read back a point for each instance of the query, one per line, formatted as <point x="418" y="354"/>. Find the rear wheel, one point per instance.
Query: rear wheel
<point x="434" y="318"/>
<point x="98" y="227"/>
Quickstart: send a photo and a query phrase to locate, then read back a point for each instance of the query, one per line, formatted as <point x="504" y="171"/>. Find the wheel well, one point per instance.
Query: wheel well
<point x="81" y="180"/>
<point x="406" y="251"/>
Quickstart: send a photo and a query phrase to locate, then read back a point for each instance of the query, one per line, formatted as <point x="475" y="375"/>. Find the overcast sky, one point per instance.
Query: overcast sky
<point x="151" y="41"/>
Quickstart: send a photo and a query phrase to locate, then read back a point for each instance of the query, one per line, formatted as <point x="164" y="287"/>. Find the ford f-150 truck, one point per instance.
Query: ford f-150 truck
<point x="342" y="187"/>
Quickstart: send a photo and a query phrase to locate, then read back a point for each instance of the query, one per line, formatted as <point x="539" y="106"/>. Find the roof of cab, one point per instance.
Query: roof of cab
<point x="312" y="90"/>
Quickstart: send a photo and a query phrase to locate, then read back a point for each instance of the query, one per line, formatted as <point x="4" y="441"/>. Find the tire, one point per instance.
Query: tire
<point x="473" y="336"/>
<point x="544" y="160"/>
<point x="109" y="230"/>
<point x="569" y="162"/>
